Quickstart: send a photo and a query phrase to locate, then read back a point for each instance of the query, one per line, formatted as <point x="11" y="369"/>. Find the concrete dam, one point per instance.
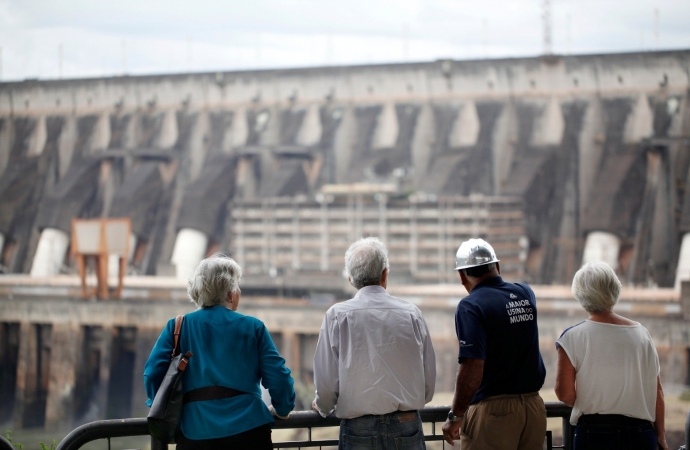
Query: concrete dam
<point x="592" y="151"/>
<point x="555" y="160"/>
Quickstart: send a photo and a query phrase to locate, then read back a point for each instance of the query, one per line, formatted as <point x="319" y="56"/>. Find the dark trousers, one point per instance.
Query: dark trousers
<point x="258" y="438"/>
<point x="613" y="432"/>
<point x="396" y="430"/>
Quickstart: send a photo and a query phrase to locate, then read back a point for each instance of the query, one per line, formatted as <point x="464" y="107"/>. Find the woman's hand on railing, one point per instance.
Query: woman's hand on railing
<point x="274" y="413"/>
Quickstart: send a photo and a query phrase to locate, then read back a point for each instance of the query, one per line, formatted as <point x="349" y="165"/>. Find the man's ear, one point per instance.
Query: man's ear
<point x="466" y="282"/>
<point x="384" y="277"/>
<point x="463" y="277"/>
<point x="498" y="268"/>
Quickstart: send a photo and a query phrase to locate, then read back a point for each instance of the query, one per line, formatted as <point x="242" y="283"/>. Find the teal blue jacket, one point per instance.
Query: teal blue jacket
<point x="230" y="350"/>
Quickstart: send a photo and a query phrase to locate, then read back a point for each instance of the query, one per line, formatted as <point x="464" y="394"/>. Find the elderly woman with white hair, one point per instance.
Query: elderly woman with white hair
<point x="608" y="371"/>
<point x="232" y="354"/>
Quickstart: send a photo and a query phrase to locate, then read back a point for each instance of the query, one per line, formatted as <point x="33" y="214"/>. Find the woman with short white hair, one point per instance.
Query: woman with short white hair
<point x="608" y="371"/>
<point x="232" y="354"/>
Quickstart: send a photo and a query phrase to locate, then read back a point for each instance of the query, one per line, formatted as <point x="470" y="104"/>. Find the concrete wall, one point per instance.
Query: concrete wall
<point x="93" y="357"/>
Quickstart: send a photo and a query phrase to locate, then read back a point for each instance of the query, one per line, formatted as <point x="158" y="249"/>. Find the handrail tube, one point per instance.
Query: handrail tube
<point x="103" y="429"/>
<point x="304" y="419"/>
<point x="5" y="444"/>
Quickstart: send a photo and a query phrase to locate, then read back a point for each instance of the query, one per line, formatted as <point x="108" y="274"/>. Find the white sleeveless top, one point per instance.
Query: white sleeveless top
<point x="616" y="369"/>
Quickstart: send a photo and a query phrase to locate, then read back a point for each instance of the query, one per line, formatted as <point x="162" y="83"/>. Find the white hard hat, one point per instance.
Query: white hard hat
<point x="473" y="253"/>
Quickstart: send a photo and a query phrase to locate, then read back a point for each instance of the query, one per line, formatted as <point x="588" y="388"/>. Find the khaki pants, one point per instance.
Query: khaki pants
<point x="505" y="422"/>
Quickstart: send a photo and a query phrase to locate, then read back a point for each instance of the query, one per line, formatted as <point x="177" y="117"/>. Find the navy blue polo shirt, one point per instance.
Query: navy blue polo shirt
<point x="497" y="322"/>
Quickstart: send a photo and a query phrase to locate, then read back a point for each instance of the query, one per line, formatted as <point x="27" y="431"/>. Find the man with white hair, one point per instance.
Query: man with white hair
<point x="374" y="363"/>
<point x="496" y="403"/>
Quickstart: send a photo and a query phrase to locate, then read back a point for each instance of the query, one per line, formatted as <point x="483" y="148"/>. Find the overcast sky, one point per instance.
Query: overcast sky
<point x="104" y="37"/>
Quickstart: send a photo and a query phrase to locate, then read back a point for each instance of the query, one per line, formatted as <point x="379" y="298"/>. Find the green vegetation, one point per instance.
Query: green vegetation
<point x="685" y="396"/>
<point x="8" y="436"/>
<point x="53" y="446"/>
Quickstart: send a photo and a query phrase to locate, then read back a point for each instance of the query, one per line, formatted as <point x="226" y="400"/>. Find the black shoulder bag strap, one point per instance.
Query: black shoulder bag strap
<point x="166" y="410"/>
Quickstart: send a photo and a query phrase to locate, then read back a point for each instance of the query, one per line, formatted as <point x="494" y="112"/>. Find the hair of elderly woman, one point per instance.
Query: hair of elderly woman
<point x="213" y="279"/>
<point x="596" y="287"/>
<point x="365" y="261"/>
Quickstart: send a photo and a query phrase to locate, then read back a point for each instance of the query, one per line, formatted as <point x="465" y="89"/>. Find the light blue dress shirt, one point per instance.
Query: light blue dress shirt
<point x="374" y="356"/>
<point x="230" y="350"/>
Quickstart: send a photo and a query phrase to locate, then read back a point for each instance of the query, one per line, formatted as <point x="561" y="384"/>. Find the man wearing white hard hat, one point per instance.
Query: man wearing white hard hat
<point x="496" y="402"/>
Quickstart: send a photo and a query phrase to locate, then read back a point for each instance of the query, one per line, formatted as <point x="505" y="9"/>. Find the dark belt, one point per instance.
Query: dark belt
<point x="211" y="393"/>
<point x="394" y="413"/>
<point x="504" y="396"/>
<point x="612" y="420"/>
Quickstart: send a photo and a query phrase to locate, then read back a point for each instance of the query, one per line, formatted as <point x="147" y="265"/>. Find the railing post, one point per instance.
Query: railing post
<point x="687" y="432"/>
<point x="157" y="444"/>
<point x="567" y="434"/>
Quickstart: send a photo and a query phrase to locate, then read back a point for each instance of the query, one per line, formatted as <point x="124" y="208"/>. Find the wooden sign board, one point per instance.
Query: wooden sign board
<point x="100" y="238"/>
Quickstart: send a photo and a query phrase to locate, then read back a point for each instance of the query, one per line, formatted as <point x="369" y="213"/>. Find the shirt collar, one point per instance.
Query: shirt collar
<point x="493" y="281"/>
<point x="374" y="289"/>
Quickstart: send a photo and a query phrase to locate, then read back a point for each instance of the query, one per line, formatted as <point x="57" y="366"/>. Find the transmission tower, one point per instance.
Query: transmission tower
<point x="656" y="29"/>
<point x="546" y="24"/>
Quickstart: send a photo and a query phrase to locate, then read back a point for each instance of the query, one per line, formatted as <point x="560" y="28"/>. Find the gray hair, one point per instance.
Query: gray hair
<point x="365" y="261"/>
<point x="215" y="277"/>
<point x="596" y="287"/>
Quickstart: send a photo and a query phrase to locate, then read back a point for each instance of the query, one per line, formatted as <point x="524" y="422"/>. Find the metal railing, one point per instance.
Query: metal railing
<point x="435" y="415"/>
<point x="5" y="444"/>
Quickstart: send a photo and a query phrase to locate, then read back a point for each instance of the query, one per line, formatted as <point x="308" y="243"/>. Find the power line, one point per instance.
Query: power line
<point x="406" y="42"/>
<point x="568" y="37"/>
<point x="60" y="61"/>
<point x="189" y="53"/>
<point x="547" y="26"/>
<point x="329" y="47"/>
<point x="124" y="57"/>
<point x="485" y="36"/>
<point x="656" y="29"/>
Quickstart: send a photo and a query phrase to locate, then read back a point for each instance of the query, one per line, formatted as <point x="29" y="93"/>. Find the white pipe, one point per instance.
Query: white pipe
<point x="683" y="270"/>
<point x="310" y="131"/>
<point x="168" y="132"/>
<point x="602" y="246"/>
<point x="386" y="127"/>
<point x="50" y="253"/>
<point x="466" y="127"/>
<point x="189" y="250"/>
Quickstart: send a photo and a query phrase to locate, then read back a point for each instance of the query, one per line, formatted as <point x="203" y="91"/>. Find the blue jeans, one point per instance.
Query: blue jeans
<point x="394" y="431"/>
<point x="621" y="434"/>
